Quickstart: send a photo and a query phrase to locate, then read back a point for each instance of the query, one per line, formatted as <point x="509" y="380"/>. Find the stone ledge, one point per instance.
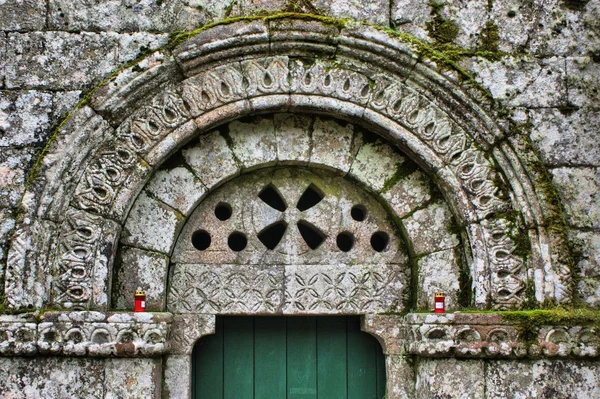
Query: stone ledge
<point x="493" y="336"/>
<point x="460" y="335"/>
<point x="94" y="334"/>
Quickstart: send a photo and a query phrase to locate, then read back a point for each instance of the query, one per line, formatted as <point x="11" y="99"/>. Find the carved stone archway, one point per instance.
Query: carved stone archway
<point x="89" y="180"/>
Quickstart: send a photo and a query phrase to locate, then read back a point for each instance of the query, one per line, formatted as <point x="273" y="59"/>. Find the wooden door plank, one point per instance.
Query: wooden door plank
<point x="301" y="358"/>
<point x="270" y="357"/>
<point x="331" y="358"/>
<point x="207" y="365"/>
<point x="381" y="375"/>
<point x="362" y="366"/>
<point x="238" y="358"/>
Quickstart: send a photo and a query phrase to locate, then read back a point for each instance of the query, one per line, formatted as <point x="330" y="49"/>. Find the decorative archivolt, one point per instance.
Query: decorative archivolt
<point x="106" y="151"/>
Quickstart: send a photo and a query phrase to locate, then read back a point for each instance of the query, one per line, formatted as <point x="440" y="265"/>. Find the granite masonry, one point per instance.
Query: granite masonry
<point x="272" y="157"/>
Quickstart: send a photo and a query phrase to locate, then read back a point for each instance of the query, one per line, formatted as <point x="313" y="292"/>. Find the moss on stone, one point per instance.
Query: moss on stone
<point x="489" y="39"/>
<point x="442" y="30"/>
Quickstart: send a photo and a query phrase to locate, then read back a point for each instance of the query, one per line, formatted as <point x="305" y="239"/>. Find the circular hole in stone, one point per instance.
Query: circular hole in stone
<point x="237" y="241"/>
<point x="201" y="240"/>
<point x="379" y="241"/>
<point x="358" y="213"/>
<point x="223" y="211"/>
<point x="345" y="241"/>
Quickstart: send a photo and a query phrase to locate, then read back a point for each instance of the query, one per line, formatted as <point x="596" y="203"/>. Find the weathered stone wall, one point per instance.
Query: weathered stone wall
<point x="539" y="60"/>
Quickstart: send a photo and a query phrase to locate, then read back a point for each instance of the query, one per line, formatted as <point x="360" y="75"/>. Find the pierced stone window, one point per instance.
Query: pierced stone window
<point x="289" y="241"/>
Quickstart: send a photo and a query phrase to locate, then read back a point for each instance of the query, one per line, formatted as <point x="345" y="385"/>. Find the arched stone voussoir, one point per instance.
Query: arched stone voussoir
<point x="231" y="71"/>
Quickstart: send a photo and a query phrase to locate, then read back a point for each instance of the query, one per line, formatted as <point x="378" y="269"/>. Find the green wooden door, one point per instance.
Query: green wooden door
<point x="288" y="357"/>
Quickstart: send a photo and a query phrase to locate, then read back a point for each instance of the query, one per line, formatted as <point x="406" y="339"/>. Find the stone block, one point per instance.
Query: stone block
<point x="123" y="16"/>
<point x="25" y="117"/>
<point x="178" y="369"/>
<point x="563" y="28"/>
<point x="3" y="59"/>
<point x="22" y="15"/>
<point x="431" y="229"/>
<point x="400" y="377"/>
<point x="522" y="81"/>
<point x="133" y="378"/>
<point x="588" y="291"/>
<point x="151" y="225"/>
<point x="60" y="60"/>
<point x="409" y="193"/>
<point x="586" y="245"/>
<point x="346" y="289"/>
<point x="136" y="268"/>
<point x="376" y="164"/>
<point x="450" y="378"/>
<point x="63" y="103"/>
<point x="51" y="377"/>
<point x="470" y="18"/>
<point x="579" y="190"/>
<point x="333" y="144"/>
<point x="293" y="135"/>
<point x="14" y="168"/>
<point x="376" y="12"/>
<point x="7" y="224"/>
<point x="583" y="81"/>
<point x="211" y="159"/>
<point x="411" y="17"/>
<point x="439" y="272"/>
<point x="177" y="187"/>
<point x="253" y="7"/>
<point x="542" y="379"/>
<point x="235" y="289"/>
<point x="253" y="143"/>
<point x="566" y="138"/>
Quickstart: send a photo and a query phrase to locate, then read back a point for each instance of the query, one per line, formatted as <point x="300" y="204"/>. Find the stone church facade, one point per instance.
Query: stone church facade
<point x="297" y="158"/>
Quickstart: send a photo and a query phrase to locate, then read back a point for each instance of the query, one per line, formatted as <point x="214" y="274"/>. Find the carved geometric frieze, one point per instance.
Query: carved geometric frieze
<point x="85" y="334"/>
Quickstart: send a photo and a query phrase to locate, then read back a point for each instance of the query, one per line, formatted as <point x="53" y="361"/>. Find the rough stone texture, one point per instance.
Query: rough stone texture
<point x="136" y="268"/>
<point x="3" y="59"/>
<point x="123" y="16"/>
<point x="178" y="188"/>
<point x="579" y="189"/>
<point x="22" y="15"/>
<point x="211" y="150"/>
<point x="7" y="224"/>
<point x="133" y="378"/>
<point x="295" y="144"/>
<point x="333" y="144"/>
<point x="438" y="272"/>
<point x="450" y="378"/>
<point x="522" y="81"/>
<point x="566" y="138"/>
<point x="375" y="12"/>
<point x="254" y="143"/>
<point x="583" y="78"/>
<point x="588" y="291"/>
<point x="409" y="193"/>
<point x="54" y="378"/>
<point x="25" y="117"/>
<point x="59" y="60"/>
<point x="79" y="378"/>
<point x="14" y="166"/>
<point x="470" y="17"/>
<point x="431" y="229"/>
<point x="376" y="174"/>
<point x="542" y="379"/>
<point x="151" y="225"/>
<point x="586" y="245"/>
<point x="411" y="16"/>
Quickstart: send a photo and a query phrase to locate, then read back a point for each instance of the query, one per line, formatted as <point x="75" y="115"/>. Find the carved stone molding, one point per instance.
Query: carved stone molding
<point x="93" y="334"/>
<point x="372" y="78"/>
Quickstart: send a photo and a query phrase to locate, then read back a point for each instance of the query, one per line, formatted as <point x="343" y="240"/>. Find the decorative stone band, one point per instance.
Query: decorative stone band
<point x="489" y="336"/>
<point x="85" y="334"/>
<point x="98" y="334"/>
